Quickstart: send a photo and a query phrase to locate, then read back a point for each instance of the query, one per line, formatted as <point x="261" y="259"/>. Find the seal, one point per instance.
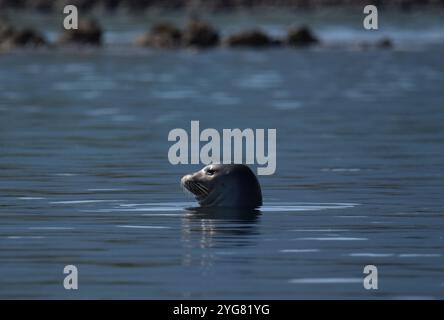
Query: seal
<point x="224" y="185"/>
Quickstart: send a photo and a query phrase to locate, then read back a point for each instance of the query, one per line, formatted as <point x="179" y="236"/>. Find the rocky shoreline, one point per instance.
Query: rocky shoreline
<point x="200" y="34"/>
<point x="12" y="37"/>
<point x="196" y="33"/>
<point x="215" y="5"/>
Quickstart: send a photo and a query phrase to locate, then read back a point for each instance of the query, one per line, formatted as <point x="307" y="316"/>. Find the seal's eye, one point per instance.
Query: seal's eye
<point x="210" y="172"/>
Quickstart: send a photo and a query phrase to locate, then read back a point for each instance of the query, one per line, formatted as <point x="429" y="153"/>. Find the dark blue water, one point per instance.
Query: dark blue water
<point x="85" y="178"/>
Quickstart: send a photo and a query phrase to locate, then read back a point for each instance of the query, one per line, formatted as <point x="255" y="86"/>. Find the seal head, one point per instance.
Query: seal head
<point x="224" y="185"/>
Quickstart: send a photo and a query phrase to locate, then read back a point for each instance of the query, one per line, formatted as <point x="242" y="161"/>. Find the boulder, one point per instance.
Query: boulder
<point x="250" y="38"/>
<point x="200" y="34"/>
<point x="88" y="33"/>
<point x="25" y="38"/>
<point x="6" y="31"/>
<point x="161" y="35"/>
<point x="384" y="43"/>
<point x="301" y="37"/>
<point x="11" y="37"/>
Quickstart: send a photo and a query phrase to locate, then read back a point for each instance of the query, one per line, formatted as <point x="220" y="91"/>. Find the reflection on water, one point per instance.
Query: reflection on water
<point x="209" y="229"/>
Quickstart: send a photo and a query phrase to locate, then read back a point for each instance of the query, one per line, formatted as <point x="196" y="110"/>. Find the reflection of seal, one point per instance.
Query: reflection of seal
<point x="224" y="185"/>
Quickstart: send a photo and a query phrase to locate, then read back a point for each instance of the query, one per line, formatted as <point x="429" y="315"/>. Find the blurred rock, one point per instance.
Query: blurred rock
<point x="25" y="38"/>
<point x="251" y="38"/>
<point x="200" y="34"/>
<point x="13" y="38"/>
<point x="301" y="37"/>
<point x="384" y="43"/>
<point x="161" y="35"/>
<point x="88" y="33"/>
<point x="6" y="30"/>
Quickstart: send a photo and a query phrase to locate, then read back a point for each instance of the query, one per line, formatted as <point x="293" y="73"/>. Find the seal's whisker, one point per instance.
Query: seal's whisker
<point x="196" y="189"/>
<point x="193" y="187"/>
<point x="202" y="189"/>
<point x="184" y="190"/>
<point x="205" y="189"/>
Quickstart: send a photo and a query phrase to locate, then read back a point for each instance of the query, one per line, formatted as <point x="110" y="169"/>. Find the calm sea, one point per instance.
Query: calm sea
<point x="85" y="179"/>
